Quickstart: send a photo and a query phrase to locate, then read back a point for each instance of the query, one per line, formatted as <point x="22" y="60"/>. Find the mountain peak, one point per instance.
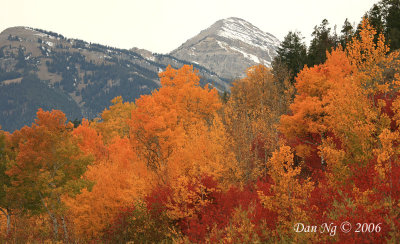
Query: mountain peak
<point x="229" y="47"/>
<point x="242" y="30"/>
<point x="234" y="19"/>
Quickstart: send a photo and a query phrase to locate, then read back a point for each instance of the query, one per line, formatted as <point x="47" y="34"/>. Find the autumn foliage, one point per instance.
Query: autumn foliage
<point x="180" y="165"/>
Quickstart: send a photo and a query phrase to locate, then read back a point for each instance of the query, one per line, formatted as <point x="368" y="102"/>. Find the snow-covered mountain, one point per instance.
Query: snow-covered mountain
<point x="229" y="47"/>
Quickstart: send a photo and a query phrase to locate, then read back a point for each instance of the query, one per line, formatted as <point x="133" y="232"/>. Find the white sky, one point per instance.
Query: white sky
<point x="163" y="25"/>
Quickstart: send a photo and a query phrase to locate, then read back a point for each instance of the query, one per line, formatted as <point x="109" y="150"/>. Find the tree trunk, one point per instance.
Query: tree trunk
<point x="65" y="229"/>
<point x="53" y="218"/>
<point x="55" y="226"/>
<point x="323" y="163"/>
<point x="8" y="216"/>
<point x="66" y="237"/>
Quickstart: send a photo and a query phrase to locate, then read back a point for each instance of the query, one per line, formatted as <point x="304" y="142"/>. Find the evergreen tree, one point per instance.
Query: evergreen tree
<point x="2" y="52"/>
<point x="384" y="16"/>
<point x="347" y="33"/>
<point x="21" y="63"/>
<point x="322" y="41"/>
<point x="292" y="53"/>
<point x="392" y="31"/>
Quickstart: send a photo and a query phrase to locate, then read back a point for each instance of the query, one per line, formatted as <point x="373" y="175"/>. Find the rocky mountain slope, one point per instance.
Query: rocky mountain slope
<point x="42" y="69"/>
<point x="229" y="47"/>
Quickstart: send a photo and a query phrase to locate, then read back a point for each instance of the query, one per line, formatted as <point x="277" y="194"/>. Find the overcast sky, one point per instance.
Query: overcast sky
<point x="163" y="25"/>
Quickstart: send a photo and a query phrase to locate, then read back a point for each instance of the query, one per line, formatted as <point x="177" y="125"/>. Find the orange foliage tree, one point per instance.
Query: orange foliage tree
<point x="180" y="117"/>
<point x="177" y="132"/>
<point x="5" y="204"/>
<point x="119" y="178"/>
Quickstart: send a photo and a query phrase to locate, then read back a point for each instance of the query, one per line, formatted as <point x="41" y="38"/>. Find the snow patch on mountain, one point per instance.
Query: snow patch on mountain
<point x="238" y="29"/>
<point x="223" y="45"/>
<point x="247" y="55"/>
<point x="252" y="57"/>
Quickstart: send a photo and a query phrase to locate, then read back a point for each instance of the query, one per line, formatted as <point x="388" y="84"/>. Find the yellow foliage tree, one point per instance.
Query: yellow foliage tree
<point x="114" y="120"/>
<point x="289" y="194"/>
<point x="251" y="116"/>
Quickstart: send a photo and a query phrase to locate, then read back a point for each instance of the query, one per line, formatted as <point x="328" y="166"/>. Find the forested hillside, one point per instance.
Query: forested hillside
<point x="42" y="69"/>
